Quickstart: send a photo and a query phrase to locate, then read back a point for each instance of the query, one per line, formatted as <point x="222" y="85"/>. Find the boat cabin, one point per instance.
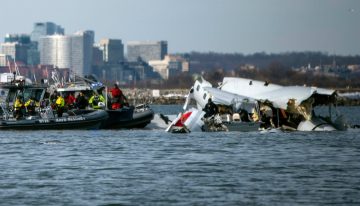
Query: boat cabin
<point x="10" y="91"/>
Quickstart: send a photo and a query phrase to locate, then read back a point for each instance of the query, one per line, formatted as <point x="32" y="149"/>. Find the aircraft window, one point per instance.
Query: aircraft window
<point x="204" y="96"/>
<point x="197" y="88"/>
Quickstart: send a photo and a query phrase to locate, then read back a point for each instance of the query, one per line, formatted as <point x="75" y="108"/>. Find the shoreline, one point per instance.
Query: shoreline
<point x="178" y="96"/>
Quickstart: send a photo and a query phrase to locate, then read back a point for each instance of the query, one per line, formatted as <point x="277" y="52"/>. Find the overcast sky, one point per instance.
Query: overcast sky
<point x="242" y="26"/>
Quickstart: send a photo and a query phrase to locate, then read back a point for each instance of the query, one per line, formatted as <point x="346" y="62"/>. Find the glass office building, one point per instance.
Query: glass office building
<point x="146" y="50"/>
<point x="70" y="51"/>
<point x="45" y="29"/>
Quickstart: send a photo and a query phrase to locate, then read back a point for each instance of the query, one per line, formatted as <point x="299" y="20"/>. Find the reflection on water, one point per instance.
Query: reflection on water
<point x="152" y="167"/>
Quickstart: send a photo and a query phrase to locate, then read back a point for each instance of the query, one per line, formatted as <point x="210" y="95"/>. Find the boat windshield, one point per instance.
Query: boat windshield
<point x="37" y="93"/>
<point x="3" y="94"/>
<point x="25" y="93"/>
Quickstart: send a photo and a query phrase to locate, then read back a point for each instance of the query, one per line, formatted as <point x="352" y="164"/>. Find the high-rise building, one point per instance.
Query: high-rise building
<point x="20" y="38"/>
<point x="146" y="50"/>
<point x="15" y="50"/>
<point x="170" y="66"/>
<point x="3" y="60"/>
<point x="97" y="59"/>
<point x="81" y="55"/>
<point x="55" y="50"/>
<point x="41" y="29"/>
<point x="16" y="46"/>
<point x="45" y="29"/>
<point x="33" y="56"/>
<point x="70" y="51"/>
<point x="112" y="50"/>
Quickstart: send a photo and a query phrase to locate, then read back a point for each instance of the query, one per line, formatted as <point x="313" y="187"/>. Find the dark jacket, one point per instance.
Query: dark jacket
<point x="210" y="109"/>
<point x="81" y="102"/>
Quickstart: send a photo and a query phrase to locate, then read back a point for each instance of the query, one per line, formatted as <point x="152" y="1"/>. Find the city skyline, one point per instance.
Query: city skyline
<point x="231" y="26"/>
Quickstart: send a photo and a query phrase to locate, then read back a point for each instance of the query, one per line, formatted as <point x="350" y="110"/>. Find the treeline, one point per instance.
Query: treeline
<point x="275" y="68"/>
<point x="209" y="61"/>
<point x="279" y="74"/>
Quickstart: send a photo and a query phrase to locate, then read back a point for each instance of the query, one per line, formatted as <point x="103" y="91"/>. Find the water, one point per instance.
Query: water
<point x="151" y="167"/>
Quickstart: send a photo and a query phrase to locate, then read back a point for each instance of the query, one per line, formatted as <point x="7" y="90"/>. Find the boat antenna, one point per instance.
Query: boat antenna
<point x="69" y="76"/>
<point x="54" y="76"/>
<point x="8" y="63"/>
<point x="16" y="68"/>
<point x="83" y="78"/>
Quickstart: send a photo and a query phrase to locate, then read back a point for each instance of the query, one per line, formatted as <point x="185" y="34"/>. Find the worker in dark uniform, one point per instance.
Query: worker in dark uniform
<point x="210" y="109"/>
<point x="81" y="101"/>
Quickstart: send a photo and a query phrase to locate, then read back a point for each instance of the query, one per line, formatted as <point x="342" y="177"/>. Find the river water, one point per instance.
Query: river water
<point x="152" y="167"/>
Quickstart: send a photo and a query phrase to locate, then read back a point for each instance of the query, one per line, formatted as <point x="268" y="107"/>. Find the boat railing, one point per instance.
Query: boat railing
<point x="141" y="107"/>
<point x="47" y="113"/>
<point x="5" y="111"/>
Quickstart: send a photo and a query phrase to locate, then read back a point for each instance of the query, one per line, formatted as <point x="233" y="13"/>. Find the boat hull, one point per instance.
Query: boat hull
<point x="89" y="120"/>
<point x="128" y="118"/>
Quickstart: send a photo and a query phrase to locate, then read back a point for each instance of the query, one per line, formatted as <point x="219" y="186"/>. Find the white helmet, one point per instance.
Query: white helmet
<point x="101" y="104"/>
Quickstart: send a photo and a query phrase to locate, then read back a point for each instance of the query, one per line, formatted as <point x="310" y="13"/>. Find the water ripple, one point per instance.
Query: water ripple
<point x="142" y="167"/>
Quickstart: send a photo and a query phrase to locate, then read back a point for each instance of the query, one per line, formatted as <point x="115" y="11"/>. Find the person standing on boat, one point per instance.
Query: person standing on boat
<point x="118" y="98"/>
<point x="45" y="101"/>
<point x="18" y="107"/>
<point x="97" y="101"/>
<point x="60" y="103"/>
<point x="81" y="101"/>
<point x="212" y="119"/>
<point x="210" y="109"/>
<point x="116" y="91"/>
<point x="70" y="101"/>
<point x="53" y="98"/>
<point x="31" y="105"/>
